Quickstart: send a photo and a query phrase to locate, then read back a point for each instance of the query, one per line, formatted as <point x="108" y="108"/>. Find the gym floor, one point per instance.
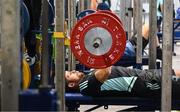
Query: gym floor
<point x="175" y="65"/>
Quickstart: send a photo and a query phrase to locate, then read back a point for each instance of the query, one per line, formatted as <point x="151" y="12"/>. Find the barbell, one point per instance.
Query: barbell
<point x="98" y="40"/>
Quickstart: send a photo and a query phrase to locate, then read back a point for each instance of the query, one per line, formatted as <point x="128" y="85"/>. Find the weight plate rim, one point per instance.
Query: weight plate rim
<point x="111" y="14"/>
<point x="79" y="23"/>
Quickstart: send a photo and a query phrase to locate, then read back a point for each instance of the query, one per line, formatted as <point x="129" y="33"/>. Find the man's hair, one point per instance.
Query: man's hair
<point x="71" y="89"/>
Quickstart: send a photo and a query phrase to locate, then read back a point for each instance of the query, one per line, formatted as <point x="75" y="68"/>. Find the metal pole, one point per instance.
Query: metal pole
<point x="69" y="27"/>
<point x="122" y="13"/>
<point x="0" y="54"/>
<point x="72" y="16"/>
<point x="11" y="54"/>
<point x="167" y="56"/>
<point x="45" y="45"/>
<point x="73" y="6"/>
<point x="88" y="4"/>
<point x="138" y="6"/>
<point x="81" y="6"/>
<point x="59" y="55"/>
<point x="72" y="12"/>
<point x="152" y="34"/>
<point x="0" y="28"/>
<point x="134" y="17"/>
<point x="129" y="23"/>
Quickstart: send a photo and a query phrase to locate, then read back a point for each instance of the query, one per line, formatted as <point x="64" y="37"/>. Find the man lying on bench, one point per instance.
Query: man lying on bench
<point x="119" y="81"/>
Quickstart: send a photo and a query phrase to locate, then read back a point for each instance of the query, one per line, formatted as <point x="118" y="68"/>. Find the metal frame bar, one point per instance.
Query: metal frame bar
<point x="81" y="6"/>
<point x="129" y="23"/>
<point x="45" y="46"/>
<point x="69" y="27"/>
<point x="152" y="34"/>
<point x="59" y="55"/>
<point x="167" y="56"/>
<point x="122" y="13"/>
<point x="138" y="28"/>
<point x="71" y="21"/>
<point x="11" y="54"/>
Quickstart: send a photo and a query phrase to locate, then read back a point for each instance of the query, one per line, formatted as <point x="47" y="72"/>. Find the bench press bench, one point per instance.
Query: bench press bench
<point x="74" y="100"/>
<point x="35" y="100"/>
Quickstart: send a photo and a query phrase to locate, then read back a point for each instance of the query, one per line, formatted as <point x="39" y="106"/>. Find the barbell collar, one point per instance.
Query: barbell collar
<point x="97" y="42"/>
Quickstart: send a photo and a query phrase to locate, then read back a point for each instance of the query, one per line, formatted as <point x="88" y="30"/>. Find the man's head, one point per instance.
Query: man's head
<point x="72" y="79"/>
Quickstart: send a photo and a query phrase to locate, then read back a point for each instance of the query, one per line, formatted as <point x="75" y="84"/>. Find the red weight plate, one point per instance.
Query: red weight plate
<point x="100" y="20"/>
<point x="110" y="13"/>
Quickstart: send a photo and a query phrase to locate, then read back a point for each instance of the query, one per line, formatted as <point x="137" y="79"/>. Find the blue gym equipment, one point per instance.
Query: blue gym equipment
<point x="25" y="18"/>
<point x="85" y="13"/>
<point x="74" y="100"/>
<point x="51" y="13"/>
<point x="38" y="100"/>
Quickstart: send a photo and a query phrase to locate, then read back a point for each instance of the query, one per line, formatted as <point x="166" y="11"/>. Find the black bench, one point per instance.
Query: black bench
<point x="74" y="100"/>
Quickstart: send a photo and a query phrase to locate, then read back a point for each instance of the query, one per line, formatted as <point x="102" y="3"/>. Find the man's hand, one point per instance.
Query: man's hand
<point x="102" y="74"/>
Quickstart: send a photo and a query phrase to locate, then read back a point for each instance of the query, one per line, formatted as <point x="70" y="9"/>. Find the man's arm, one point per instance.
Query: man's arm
<point x="102" y="74"/>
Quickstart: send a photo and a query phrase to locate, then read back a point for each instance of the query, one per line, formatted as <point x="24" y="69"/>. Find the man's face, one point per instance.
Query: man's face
<point x="73" y="76"/>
